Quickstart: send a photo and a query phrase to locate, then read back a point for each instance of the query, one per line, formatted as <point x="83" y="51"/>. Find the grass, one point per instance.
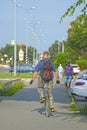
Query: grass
<point x="12" y="90"/>
<point x="80" y="109"/>
<point x="17" y="86"/>
<point x="18" y="75"/>
<point x="74" y="107"/>
<point x="83" y="109"/>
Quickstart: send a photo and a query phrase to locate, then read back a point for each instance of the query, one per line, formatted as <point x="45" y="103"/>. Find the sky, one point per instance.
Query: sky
<point x="43" y="22"/>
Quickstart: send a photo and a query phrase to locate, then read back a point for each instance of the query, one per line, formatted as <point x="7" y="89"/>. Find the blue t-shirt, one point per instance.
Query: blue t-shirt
<point x="38" y="67"/>
<point x="68" y="70"/>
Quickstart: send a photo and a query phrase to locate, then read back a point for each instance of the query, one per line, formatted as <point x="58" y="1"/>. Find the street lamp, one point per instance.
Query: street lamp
<point x="58" y="47"/>
<point x="27" y="22"/>
<point x="14" y="41"/>
<point x="35" y="24"/>
<point x="62" y="47"/>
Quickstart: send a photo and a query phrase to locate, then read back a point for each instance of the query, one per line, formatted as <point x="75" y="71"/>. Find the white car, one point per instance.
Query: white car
<point x="79" y="87"/>
<point x="82" y="74"/>
<point x="76" y="68"/>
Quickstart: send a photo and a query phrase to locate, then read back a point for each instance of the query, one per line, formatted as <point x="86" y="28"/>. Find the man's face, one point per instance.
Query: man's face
<point x="45" y="55"/>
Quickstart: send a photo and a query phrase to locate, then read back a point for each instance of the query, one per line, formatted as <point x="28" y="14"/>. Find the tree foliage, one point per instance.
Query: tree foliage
<point x="70" y="11"/>
<point x="77" y="36"/>
<point x="53" y="50"/>
<point x="9" y="51"/>
<point x="82" y="63"/>
<point x="60" y="59"/>
<point x="71" y="54"/>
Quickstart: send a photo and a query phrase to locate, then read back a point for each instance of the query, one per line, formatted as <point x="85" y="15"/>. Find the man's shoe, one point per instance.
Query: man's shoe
<point x="42" y="99"/>
<point x="52" y="109"/>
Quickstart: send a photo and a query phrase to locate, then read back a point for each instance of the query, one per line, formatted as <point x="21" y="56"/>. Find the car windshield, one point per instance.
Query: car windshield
<point x="74" y="66"/>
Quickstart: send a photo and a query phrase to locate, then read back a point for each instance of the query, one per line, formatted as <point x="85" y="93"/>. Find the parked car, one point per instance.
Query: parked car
<point x="76" y="68"/>
<point x="82" y="74"/>
<point x="22" y="68"/>
<point x="79" y="87"/>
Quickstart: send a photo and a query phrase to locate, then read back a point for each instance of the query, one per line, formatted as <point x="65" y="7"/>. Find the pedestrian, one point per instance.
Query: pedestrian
<point x="46" y="70"/>
<point x="68" y="72"/>
<point x="60" y="71"/>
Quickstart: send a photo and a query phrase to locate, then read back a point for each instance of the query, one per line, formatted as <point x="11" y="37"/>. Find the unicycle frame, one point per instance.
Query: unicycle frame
<point x="47" y="106"/>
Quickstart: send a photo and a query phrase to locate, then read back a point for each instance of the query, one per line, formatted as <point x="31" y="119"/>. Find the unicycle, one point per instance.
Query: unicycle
<point x="47" y="106"/>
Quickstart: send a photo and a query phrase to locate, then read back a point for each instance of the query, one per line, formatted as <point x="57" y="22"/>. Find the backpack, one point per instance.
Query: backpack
<point x="68" y="69"/>
<point x="46" y="72"/>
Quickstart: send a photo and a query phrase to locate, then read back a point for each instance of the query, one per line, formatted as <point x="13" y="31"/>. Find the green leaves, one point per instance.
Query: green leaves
<point x="77" y="36"/>
<point x="70" y="11"/>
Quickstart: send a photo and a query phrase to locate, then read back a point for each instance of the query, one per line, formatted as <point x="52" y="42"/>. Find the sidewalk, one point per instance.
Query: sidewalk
<point x="24" y="112"/>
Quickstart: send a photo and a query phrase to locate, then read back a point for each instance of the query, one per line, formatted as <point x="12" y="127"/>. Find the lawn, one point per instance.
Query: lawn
<point x="18" y="75"/>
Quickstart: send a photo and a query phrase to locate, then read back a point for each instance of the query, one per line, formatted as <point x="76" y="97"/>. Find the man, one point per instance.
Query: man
<point x="68" y="71"/>
<point x="42" y="81"/>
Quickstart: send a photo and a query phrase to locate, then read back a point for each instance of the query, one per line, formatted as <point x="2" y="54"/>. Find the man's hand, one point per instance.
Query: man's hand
<point x="57" y="81"/>
<point x="31" y="82"/>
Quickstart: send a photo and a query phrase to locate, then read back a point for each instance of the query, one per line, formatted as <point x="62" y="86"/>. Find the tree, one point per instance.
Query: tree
<point x="60" y="59"/>
<point x="9" y="51"/>
<point x="71" y="53"/>
<point x="70" y="11"/>
<point x="55" y="48"/>
<point x="77" y="37"/>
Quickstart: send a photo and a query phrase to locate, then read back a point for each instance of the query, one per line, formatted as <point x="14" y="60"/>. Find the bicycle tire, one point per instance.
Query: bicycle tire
<point x="47" y="106"/>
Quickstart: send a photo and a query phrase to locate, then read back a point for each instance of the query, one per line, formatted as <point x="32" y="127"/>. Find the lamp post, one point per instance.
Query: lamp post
<point x="26" y="39"/>
<point x="14" y="41"/>
<point x="62" y="47"/>
<point x="27" y="21"/>
<point x="37" y="39"/>
<point x="58" y="47"/>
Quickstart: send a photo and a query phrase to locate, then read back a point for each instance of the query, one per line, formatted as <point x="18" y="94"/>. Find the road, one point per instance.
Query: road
<point x="24" y="112"/>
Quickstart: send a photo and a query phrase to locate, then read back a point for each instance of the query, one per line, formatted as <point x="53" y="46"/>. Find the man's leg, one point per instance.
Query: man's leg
<point x="41" y="84"/>
<point x="68" y="89"/>
<point x="49" y="90"/>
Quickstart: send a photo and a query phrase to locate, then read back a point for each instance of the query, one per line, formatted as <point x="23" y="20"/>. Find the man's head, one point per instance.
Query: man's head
<point x="69" y="62"/>
<point x="46" y="54"/>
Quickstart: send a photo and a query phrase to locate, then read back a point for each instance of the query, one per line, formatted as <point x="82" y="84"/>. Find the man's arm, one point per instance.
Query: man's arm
<point x="33" y="77"/>
<point x="57" y="77"/>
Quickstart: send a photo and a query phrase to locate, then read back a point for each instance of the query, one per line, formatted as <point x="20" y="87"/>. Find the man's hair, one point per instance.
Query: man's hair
<point x="69" y="62"/>
<point x="45" y="52"/>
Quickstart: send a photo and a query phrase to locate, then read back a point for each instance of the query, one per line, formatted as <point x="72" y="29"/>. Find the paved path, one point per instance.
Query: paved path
<point x="24" y="112"/>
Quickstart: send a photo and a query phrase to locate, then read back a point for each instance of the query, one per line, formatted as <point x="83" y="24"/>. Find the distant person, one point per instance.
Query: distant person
<point x="45" y="68"/>
<point x="60" y="71"/>
<point x="68" y="72"/>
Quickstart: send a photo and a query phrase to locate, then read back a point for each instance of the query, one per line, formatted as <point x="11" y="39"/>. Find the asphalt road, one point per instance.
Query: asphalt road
<point x="24" y="112"/>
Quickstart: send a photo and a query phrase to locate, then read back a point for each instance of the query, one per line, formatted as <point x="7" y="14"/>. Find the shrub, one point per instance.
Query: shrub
<point x="82" y="63"/>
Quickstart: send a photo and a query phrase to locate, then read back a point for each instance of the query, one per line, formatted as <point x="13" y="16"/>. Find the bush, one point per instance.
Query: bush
<point x="82" y="63"/>
<point x="60" y="59"/>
